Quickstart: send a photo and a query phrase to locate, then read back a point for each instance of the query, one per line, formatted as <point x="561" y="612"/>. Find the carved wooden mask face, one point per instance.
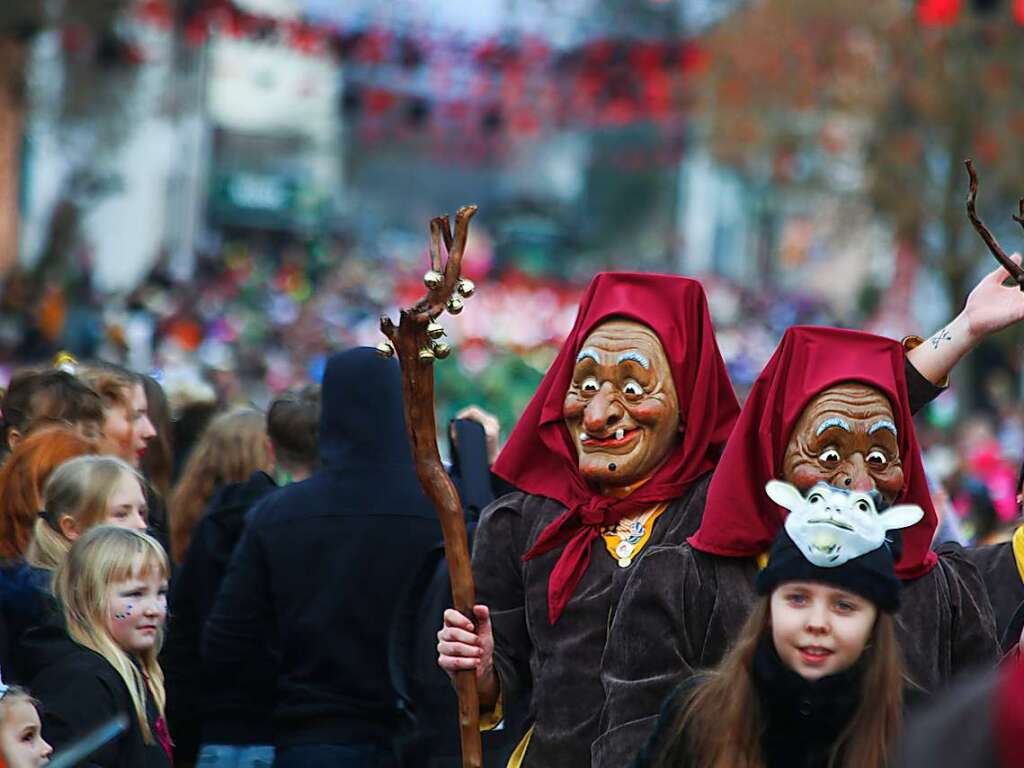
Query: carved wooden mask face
<point x="846" y="437"/>
<point x="621" y="408"/>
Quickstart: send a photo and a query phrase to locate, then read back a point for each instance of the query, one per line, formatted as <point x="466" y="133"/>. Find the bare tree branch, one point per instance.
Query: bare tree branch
<point x="1016" y="272"/>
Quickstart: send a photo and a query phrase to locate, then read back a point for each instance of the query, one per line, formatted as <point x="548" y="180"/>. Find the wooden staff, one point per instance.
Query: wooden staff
<point x="417" y="341"/>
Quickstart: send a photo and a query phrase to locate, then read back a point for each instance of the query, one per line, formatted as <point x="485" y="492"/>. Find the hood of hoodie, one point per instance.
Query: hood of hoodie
<point x="362" y="419"/>
<point x="227" y="510"/>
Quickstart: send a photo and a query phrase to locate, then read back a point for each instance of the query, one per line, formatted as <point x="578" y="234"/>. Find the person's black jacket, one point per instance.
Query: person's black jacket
<point x="78" y="691"/>
<point x="321" y="565"/>
<point x="803" y="719"/>
<point x="205" y="708"/>
<point x="25" y="602"/>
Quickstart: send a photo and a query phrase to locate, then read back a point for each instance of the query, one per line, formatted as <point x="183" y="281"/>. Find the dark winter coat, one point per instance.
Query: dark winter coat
<point x="998" y="567"/>
<point x="25" y="602"/>
<point x="321" y="564"/>
<point x="203" y="706"/>
<point x="79" y="691"/>
<point x="559" y="662"/>
<point x="803" y="719"/>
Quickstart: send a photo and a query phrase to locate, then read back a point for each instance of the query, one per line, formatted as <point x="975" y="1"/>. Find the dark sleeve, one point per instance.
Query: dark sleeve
<point x="920" y="391"/>
<point x="498" y="573"/>
<point x="649" y="651"/>
<point x="975" y="644"/>
<point x="1010" y="642"/>
<point x="471" y="472"/>
<point x="237" y="635"/>
<point x="73" y="704"/>
<point x="664" y="737"/>
<point x="998" y="568"/>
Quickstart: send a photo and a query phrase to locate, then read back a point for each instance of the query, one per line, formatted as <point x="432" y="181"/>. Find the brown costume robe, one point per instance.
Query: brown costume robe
<point x="998" y="568"/>
<point x="945" y="626"/>
<point x="561" y="662"/>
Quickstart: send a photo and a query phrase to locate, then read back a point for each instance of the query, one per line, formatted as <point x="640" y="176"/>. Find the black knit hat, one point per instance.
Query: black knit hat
<point x="872" y="575"/>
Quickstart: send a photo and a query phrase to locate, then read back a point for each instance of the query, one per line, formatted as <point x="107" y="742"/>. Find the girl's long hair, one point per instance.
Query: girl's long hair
<point x="104" y="556"/>
<point x="23" y="477"/>
<point x="721" y="725"/>
<point x="158" y="461"/>
<point x="231" y="448"/>
<point x="80" y="489"/>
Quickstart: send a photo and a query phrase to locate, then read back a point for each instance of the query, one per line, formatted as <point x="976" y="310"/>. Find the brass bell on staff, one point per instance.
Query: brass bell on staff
<point x="435" y="330"/>
<point x="455" y="305"/>
<point x="432" y="279"/>
<point x="442" y="350"/>
<point x="385" y="349"/>
<point x="466" y="288"/>
<point x="426" y="355"/>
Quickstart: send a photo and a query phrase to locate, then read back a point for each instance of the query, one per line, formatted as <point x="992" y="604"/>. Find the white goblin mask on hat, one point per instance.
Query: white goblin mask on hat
<point x="832" y="526"/>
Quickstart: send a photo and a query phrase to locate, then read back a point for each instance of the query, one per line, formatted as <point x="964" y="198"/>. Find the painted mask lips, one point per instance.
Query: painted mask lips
<point x="613" y="440"/>
<point x="831" y="521"/>
<point x="814" y="655"/>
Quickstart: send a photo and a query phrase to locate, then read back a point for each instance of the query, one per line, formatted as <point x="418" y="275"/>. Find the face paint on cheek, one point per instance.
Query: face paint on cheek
<point x="125" y="614"/>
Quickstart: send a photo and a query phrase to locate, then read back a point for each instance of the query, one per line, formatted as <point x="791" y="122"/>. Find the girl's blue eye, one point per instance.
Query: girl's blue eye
<point x="845" y="606"/>
<point x="796" y="599"/>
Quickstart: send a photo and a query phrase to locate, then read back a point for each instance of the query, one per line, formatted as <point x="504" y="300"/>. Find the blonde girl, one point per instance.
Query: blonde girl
<point x="232" y="447"/>
<point x="82" y="493"/>
<point x="112" y="592"/>
<point x="21" y="737"/>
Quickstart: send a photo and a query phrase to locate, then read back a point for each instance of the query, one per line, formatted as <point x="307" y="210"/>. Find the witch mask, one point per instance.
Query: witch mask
<point x="621" y="408"/>
<point x="832" y="525"/>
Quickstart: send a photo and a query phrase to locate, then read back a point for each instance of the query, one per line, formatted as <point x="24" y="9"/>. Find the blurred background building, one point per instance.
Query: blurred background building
<point x="225" y="191"/>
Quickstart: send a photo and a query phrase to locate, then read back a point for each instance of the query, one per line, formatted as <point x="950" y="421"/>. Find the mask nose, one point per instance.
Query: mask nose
<point x="602" y="412"/>
<point x="855" y="476"/>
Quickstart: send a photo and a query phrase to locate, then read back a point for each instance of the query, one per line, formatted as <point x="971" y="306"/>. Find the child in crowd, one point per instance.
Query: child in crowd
<point x="112" y="591"/>
<point x="79" y="493"/>
<point x="815" y="677"/>
<point x="21" y="737"/>
<point x="82" y="493"/>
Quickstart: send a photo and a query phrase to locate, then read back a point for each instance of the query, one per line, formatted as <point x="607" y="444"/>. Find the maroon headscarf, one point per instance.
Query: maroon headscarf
<point x="540" y="457"/>
<point x="739" y="518"/>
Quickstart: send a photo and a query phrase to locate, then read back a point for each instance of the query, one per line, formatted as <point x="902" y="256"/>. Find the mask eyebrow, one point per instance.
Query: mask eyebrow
<point x="835" y="421"/>
<point x="587" y="353"/>
<point x="635" y="357"/>
<point x="883" y="424"/>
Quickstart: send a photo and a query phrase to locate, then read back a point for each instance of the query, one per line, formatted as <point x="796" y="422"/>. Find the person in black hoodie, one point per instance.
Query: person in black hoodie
<point x="205" y="709"/>
<point x="318" y="571"/>
<point x="112" y="590"/>
<point x="815" y="677"/>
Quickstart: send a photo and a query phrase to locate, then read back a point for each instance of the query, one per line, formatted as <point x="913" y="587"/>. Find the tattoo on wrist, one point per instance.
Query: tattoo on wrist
<point x="940" y="337"/>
